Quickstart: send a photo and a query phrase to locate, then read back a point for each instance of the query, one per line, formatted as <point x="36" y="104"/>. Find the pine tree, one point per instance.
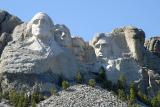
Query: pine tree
<point x="107" y="84"/>
<point x="121" y="94"/>
<point x="14" y="97"/>
<point x="33" y="103"/>
<point x="142" y="97"/>
<point x="65" y="85"/>
<point x="101" y="75"/>
<point x="54" y="91"/>
<point x="132" y="93"/>
<point x="122" y="82"/>
<point x="154" y="102"/>
<point x="79" y="77"/>
<point x="91" y="82"/>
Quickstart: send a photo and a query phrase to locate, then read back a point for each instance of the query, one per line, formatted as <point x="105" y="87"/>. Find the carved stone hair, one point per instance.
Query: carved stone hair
<point x="97" y="37"/>
<point x="62" y="28"/>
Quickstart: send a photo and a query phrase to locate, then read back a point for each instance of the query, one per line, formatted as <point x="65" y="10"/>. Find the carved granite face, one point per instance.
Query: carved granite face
<point x="102" y="47"/>
<point x="41" y="25"/>
<point x="62" y="35"/>
<point x="40" y="32"/>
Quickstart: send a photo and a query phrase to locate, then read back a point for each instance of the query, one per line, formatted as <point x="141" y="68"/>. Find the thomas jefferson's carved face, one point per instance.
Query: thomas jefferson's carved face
<point x="62" y="36"/>
<point x="41" y="25"/>
<point x="102" y="48"/>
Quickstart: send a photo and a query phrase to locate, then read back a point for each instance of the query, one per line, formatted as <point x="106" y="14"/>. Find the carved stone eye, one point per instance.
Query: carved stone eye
<point x="97" y="46"/>
<point x="39" y="21"/>
<point x="104" y="45"/>
<point x="36" y="21"/>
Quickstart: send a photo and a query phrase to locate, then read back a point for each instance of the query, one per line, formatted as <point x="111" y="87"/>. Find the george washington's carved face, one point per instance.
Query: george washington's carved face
<point x="41" y="25"/>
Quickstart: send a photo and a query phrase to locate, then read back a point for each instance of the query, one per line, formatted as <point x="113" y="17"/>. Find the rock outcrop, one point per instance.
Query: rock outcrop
<point x="38" y="49"/>
<point x="153" y="45"/>
<point x="7" y="24"/>
<point x="122" y="52"/>
<point x="47" y="52"/>
<point x="119" y="52"/>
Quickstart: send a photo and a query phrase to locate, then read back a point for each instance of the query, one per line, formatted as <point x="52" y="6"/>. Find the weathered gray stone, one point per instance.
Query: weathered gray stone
<point x="38" y="47"/>
<point x="122" y="52"/>
<point x="118" y="52"/>
<point x="46" y="53"/>
<point x="8" y="22"/>
<point x="83" y="96"/>
<point x="153" y="45"/>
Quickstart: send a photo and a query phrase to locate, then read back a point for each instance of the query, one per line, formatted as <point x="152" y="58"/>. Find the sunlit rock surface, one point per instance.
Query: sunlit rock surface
<point x="122" y="52"/>
<point x="40" y="53"/>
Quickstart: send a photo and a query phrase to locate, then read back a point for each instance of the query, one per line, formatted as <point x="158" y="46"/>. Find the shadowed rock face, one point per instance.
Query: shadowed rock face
<point x="153" y="45"/>
<point x="7" y="23"/>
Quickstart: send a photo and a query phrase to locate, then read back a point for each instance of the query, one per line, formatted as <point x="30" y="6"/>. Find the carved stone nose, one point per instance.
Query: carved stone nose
<point x="63" y="35"/>
<point x="100" y="47"/>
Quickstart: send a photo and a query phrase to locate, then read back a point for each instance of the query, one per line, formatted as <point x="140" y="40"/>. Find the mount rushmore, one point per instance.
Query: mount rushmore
<point x="40" y="52"/>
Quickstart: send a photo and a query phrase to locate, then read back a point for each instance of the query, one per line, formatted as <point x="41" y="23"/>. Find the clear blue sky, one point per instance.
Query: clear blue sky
<point x="86" y="17"/>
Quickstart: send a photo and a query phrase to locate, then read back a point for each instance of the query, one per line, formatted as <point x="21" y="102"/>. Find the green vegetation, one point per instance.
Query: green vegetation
<point x="102" y="79"/>
<point x="53" y="91"/>
<point x="132" y="93"/>
<point x="91" y="82"/>
<point x="79" y="77"/>
<point x="20" y="99"/>
<point x="155" y="102"/>
<point x="121" y="82"/>
<point x="107" y="84"/>
<point x="101" y="75"/>
<point x="122" y="95"/>
<point x="37" y="97"/>
<point x="33" y="103"/>
<point x="65" y="84"/>
<point x="143" y="98"/>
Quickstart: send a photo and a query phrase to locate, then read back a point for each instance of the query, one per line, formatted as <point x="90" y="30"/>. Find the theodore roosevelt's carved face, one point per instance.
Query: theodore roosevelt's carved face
<point x="41" y="25"/>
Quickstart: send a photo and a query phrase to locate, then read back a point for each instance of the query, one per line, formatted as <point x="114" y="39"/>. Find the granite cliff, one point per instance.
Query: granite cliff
<point x="47" y="52"/>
